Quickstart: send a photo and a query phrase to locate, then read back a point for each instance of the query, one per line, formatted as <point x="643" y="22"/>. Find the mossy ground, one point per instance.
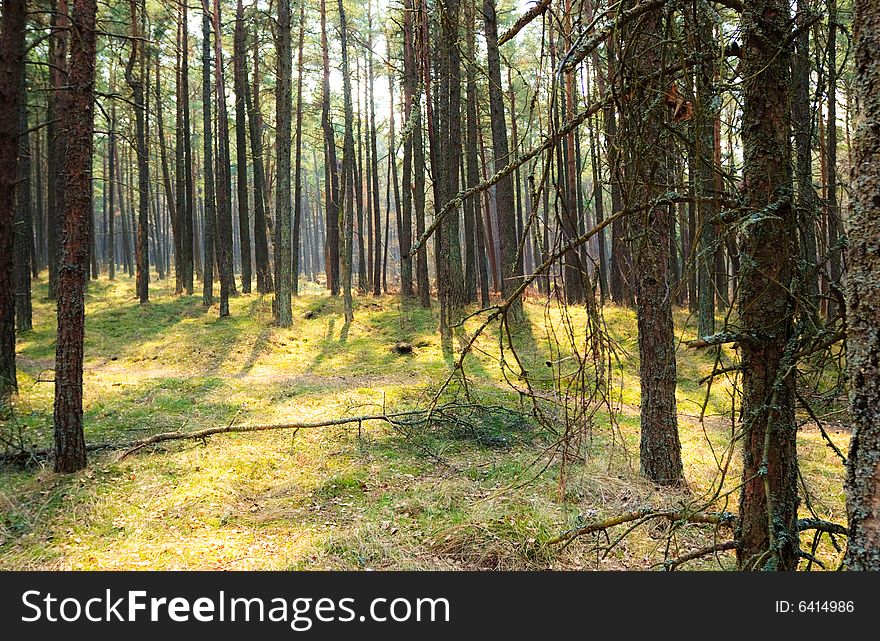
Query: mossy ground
<point x="334" y="497"/>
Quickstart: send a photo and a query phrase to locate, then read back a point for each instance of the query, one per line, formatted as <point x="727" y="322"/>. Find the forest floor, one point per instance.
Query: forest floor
<point x="340" y="497"/>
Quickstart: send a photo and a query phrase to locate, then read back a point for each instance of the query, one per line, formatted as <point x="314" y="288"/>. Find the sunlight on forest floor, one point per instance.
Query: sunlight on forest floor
<point x="329" y="497"/>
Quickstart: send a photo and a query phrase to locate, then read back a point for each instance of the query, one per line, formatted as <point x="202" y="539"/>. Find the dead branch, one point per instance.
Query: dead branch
<point x="671" y="564"/>
<point x="526" y="18"/>
<point x="822" y="526"/>
<point x="229" y="429"/>
<point x="709" y="518"/>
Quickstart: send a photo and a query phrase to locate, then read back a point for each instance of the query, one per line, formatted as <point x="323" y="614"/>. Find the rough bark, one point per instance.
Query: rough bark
<point x="348" y="152"/>
<point x="282" y="148"/>
<point x="209" y="232"/>
<point x="768" y="537"/>
<point x="23" y="219"/>
<point x="70" y="449"/>
<point x="504" y="196"/>
<point x="297" y="179"/>
<point x="863" y="298"/>
<point x="644" y="140"/>
<point x="241" y="173"/>
<point x="331" y="170"/>
<point x="261" y="240"/>
<point x="223" y="175"/>
<point x="12" y="60"/>
<point x="134" y="76"/>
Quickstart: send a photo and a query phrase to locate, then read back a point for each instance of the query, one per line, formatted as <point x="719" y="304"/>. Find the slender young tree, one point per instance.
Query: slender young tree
<point x="70" y="447"/>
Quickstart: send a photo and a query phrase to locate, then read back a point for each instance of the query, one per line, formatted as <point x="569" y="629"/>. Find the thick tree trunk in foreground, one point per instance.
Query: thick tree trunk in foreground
<point x="70" y="447"/>
<point x="11" y="70"/>
<point x="768" y="536"/>
<point x="643" y="142"/>
<point x="863" y="299"/>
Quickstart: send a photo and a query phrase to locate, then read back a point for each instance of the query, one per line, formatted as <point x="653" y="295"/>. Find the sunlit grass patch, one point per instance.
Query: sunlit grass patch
<point x="483" y="492"/>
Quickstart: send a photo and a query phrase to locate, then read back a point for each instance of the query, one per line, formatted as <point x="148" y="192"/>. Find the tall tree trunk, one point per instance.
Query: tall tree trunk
<point x="348" y="154"/>
<point x="644" y="141"/>
<point x="768" y="536"/>
<point x="359" y="188"/>
<point x="331" y="169"/>
<point x="241" y="173"/>
<point x="807" y="199"/>
<point x="56" y="135"/>
<point x="704" y="153"/>
<point x="134" y="76"/>
<point x="70" y="448"/>
<point x="394" y="184"/>
<point x="297" y="180"/>
<point x="189" y="247"/>
<point x="621" y="291"/>
<point x="450" y="276"/>
<point x="282" y="149"/>
<point x="411" y="81"/>
<point x="863" y="299"/>
<point x="376" y="267"/>
<point x="504" y="197"/>
<point x="224" y="249"/>
<point x="834" y="250"/>
<point x="23" y="219"/>
<point x="473" y="249"/>
<point x="261" y="241"/>
<point x="12" y="62"/>
<point x="208" y="233"/>
<point x="170" y="200"/>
